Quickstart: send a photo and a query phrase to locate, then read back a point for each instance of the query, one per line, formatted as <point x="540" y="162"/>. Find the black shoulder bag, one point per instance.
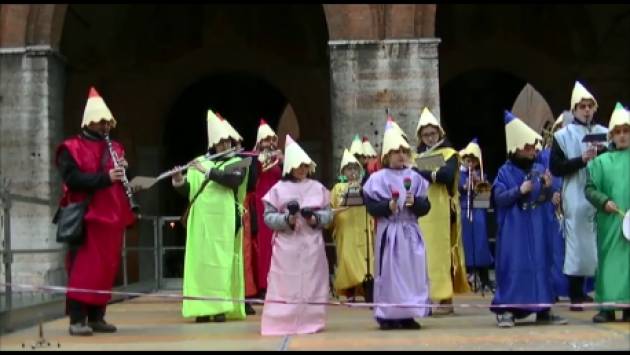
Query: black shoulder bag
<point x="69" y="219"/>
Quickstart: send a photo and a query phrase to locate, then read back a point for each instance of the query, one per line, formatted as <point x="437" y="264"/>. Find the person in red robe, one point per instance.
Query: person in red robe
<point x="269" y="172"/>
<point x="86" y="168"/>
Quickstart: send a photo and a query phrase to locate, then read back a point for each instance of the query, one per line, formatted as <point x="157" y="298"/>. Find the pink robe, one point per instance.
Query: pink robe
<point x="299" y="268"/>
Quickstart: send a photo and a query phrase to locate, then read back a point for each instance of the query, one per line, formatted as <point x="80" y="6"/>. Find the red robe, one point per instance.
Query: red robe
<point x="248" y="249"/>
<point x="96" y="262"/>
<point x="263" y="238"/>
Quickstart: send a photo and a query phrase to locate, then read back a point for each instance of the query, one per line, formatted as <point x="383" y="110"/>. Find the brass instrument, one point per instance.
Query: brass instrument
<point x="128" y="191"/>
<point x="469" y="189"/>
<point x="269" y="158"/>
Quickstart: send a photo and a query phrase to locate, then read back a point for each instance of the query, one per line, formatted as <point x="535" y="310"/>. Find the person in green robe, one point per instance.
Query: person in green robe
<point x="213" y="263"/>
<point x="608" y="190"/>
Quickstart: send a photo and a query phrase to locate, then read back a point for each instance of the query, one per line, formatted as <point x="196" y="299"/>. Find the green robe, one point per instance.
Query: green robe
<point x="608" y="180"/>
<point x="213" y="265"/>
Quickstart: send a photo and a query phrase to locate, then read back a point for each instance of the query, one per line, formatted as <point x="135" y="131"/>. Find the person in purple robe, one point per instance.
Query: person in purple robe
<point x="396" y="196"/>
<point x="523" y="255"/>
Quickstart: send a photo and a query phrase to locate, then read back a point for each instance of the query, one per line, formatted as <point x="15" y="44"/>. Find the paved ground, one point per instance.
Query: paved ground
<point x="156" y="324"/>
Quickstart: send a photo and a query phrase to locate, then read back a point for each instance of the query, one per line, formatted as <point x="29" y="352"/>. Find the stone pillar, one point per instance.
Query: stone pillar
<point x="31" y="109"/>
<point x="368" y="76"/>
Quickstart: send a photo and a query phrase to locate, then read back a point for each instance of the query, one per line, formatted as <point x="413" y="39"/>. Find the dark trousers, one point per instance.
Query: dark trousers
<point x="79" y="311"/>
<point x="576" y="288"/>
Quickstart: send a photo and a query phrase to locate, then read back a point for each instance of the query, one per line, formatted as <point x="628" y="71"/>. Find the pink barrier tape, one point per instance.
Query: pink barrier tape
<point x="61" y="289"/>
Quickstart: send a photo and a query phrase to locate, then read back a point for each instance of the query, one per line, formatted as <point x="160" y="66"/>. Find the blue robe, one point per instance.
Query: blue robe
<point x="560" y="280"/>
<point x="475" y="233"/>
<point x="523" y="255"/>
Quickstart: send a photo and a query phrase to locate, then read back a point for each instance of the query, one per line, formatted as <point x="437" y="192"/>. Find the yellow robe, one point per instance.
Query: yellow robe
<point x="348" y="231"/>
<point x="443" y="240"/>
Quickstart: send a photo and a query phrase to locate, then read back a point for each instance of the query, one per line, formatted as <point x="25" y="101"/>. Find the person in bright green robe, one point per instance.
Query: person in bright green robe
<point x="608" y="190"/>
<point x="213" y="263"/>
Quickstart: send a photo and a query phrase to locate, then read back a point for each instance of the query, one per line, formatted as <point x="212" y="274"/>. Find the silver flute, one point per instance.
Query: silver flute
<point x="135" y="207"/>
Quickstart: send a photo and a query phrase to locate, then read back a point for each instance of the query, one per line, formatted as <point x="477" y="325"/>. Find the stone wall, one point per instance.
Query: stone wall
<point x="31" y="91"/>
<point x="369" y="76"/>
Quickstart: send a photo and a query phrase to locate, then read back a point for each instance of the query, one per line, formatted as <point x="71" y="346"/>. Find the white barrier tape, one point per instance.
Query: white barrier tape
<point x="62" y="289"/>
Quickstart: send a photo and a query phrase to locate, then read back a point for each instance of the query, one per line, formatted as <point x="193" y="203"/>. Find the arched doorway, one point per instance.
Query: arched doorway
<point x="473" y="105"/>
<point x="239" y="97"/>
<point x="161" y="67"/>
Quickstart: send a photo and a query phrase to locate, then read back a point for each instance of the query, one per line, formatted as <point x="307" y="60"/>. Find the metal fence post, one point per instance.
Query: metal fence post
<point x="7" y="254"/>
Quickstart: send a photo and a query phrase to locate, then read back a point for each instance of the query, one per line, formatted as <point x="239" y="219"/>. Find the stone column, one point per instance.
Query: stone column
<point x="31" y="110"/>
<point x="368" y="76"/>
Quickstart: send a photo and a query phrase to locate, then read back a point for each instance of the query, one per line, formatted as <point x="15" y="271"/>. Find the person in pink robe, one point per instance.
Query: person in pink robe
<point x="296" y="209"/>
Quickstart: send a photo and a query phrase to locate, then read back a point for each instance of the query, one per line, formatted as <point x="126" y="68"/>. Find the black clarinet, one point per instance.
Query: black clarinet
<point x="135" y="207"/>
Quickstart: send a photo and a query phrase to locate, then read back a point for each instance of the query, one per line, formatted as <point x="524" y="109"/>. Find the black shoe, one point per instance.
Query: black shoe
<point x="219" y="318"/>
<point x="388" y="324"/>
<point x="409" y="324"/>
<point x="604" y="317"/>
<point x="102" y="327"/>
<point x="587" y="299"/>
<point x="576" y="308"/>
<point x="202" y="319"/>
<point x="249" y="310"/>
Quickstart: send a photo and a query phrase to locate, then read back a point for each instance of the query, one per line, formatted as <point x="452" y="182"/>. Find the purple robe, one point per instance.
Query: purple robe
<point x="400" y="260"/>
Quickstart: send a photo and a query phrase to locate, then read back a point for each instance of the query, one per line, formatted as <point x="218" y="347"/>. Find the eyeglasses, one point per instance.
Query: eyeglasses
<point x="584" y="106"/>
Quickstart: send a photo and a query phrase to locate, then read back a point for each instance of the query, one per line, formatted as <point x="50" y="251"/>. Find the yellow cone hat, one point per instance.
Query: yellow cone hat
<point x="264" y="131"/>
<point x="518" y="134"/>
<point x="217" y="130"/>
<point x="620" y="117"/>
<point x="294" y="156"/>
<point x="393" y="140"/>
<point x="348" y="158"/>
<point x="231" y="131"/>
<point x="356" y="148"/>
<point x="427" y="118"/>
<point x="96" y="110"/>
<point x="368" y="150"/>
<point x="580" y="93"/>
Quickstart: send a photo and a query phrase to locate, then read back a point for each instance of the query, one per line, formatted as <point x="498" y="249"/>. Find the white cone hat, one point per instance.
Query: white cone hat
<point x="264" y="131"/>
<point x="580" y="93"/>
<point x="96" y="110"/>
<point x="216" y="129"/>
<point x="620" y="117"/>
<point x="427" y="118"/>
<point x="348" y="158"/>
<point x="393" y="140"/>
<point x="231" y="131"/>
<point x="518" y="134"/>
<point x="473" y="149"/>
<point x="356" y="148"/>
<point x="368" y="150"/>
<point x="294" y="156"/>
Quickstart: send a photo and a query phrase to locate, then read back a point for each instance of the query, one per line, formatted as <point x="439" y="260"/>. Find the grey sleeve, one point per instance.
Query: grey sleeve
<point x="275" y="220"/>
<point x="324" y="217"/>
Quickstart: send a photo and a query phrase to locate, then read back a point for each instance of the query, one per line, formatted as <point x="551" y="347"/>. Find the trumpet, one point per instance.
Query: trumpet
<point x="128" y="190"/>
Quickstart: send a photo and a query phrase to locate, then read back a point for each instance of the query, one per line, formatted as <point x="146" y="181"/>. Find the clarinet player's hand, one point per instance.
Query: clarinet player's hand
<point x="123" y="162"/>
<point x="116" y="174"/>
